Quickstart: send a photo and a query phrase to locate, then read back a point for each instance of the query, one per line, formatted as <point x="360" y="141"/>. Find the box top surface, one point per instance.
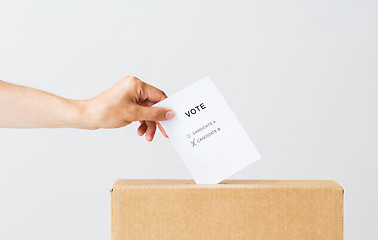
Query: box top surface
<point x="188" y="183"/>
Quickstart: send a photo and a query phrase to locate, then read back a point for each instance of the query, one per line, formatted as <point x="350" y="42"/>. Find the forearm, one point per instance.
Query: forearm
<point x="24" y="107"/>
<point x="127" y="101"/>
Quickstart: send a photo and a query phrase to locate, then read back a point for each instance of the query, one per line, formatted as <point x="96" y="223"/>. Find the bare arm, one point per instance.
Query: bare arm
<point x="128" y="100"/>
<point x="24" y="107"/>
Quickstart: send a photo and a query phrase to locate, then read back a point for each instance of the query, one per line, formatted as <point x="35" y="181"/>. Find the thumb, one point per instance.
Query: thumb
<point x="153" y="114"/>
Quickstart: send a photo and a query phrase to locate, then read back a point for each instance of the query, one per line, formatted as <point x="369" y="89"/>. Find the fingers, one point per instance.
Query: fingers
<point x="162" y="130"/>
<point x="145" y="91"/>
<point x="152" y="113"/>
<point x="145" y="97"/>
<point x="151" y="129"/>
<point x="142" y="128"/>
<point x="152" y="93"/>
<point x="149" y="104"/>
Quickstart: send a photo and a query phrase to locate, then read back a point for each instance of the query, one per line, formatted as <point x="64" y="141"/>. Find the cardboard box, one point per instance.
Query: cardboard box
<point x="234" y="209"/>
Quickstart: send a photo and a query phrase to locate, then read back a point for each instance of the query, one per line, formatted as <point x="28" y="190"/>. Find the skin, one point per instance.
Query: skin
<point x="127" y="101"/>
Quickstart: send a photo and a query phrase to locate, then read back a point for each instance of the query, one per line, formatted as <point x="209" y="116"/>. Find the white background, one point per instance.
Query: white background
<point x="301" y="76"/>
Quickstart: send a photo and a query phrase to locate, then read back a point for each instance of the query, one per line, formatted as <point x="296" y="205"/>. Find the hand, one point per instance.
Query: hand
<point x="127" y="101"/>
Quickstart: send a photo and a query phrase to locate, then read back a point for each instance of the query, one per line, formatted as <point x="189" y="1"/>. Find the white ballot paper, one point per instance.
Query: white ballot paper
<point x="206" y="133"/>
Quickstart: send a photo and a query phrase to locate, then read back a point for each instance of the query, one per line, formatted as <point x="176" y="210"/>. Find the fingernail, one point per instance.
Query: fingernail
<point x="169" y="115"/>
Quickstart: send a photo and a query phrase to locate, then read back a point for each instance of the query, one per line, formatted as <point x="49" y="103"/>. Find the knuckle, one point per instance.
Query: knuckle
<point x="139" y="87"/>
<point x="130" y="80"/>
<point x="136" y="83"/>
<point x="155" y="113"/>
<point x="133" y="79"/>
<point x="139" y="84"/>
<point x="125" y="79"/>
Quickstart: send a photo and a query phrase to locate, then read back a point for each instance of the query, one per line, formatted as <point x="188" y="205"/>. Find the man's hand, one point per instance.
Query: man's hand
<point x="127" y="101"/>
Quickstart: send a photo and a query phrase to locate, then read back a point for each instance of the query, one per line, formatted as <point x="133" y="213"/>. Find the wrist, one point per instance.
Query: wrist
<point x="83" y="117"/>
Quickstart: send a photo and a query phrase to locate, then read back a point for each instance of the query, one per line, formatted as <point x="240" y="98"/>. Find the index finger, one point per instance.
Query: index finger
<point x="152" y="94"/>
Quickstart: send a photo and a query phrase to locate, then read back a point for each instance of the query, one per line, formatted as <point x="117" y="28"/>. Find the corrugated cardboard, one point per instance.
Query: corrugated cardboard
<point x="234" y="209"/>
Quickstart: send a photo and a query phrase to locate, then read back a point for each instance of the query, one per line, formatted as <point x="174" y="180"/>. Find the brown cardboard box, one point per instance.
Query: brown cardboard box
<point x="234" y="209"/>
